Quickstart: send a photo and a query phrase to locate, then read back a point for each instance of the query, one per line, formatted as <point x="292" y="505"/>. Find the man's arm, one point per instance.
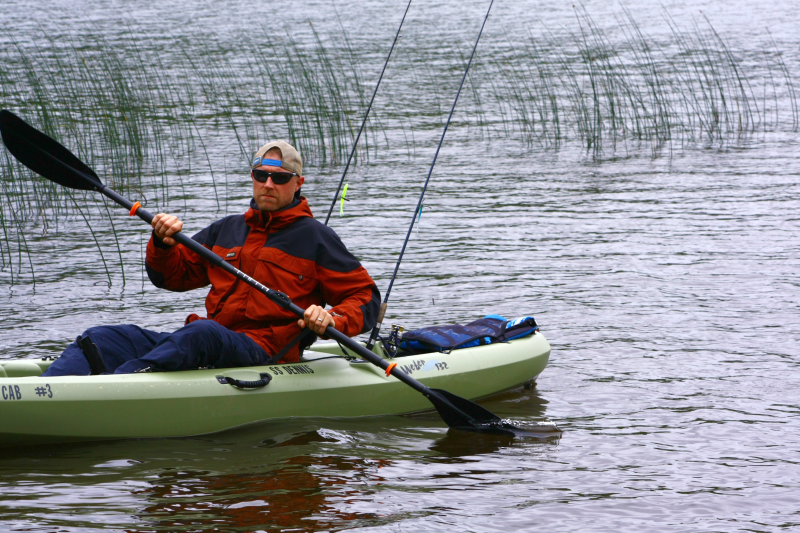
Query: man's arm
<point x="346" y="286"/>
<point x="355" y="300"/>
<point x="170" y="265"/>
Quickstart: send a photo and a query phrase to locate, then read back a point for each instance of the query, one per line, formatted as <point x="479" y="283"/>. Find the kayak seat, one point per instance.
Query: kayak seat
<point x="20" y="369"/>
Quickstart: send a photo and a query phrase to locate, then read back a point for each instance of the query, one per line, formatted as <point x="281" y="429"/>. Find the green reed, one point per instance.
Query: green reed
<point x="144" y="124"/>
<point x="148" y="113"/>
<point x="581" y="84"/>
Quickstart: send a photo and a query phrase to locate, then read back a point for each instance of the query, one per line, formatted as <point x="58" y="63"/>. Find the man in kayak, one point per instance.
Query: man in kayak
<point x="277" y="242"/>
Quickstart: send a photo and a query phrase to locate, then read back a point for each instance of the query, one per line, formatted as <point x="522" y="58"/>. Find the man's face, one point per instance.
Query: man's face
<point x="270" y="196"/>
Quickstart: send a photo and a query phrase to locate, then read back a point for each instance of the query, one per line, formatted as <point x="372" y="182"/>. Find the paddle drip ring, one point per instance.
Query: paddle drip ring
<point x="390" y="368"/>
<point x="135" y="207"/>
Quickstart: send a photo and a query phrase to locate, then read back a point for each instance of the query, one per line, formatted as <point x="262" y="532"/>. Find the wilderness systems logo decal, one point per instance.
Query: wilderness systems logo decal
<point x="423" y="366"/>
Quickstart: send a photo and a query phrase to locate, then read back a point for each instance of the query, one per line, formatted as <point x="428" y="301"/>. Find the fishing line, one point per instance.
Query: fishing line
<point x="364" y="122"/>
<point x="418" y="211"/>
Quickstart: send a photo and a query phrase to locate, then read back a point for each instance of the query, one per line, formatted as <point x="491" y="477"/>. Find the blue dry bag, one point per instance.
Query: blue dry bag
<point x="487" y="330"/>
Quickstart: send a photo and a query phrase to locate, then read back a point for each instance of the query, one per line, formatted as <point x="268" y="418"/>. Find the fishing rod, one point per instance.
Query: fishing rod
<point x="364" y="122"/>
<point x="418" y="211"/>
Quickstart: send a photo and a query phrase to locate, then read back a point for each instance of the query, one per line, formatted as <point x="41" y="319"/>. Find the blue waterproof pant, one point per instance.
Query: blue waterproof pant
<point x="129" y="348"/>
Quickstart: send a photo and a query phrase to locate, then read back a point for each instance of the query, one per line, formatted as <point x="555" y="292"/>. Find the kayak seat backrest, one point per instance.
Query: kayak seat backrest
<point x="20" y="369"/>
<point x="487" y="330"/>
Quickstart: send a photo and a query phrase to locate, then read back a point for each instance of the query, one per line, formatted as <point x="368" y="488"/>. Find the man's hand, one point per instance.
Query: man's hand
<point x="165" y="226"/>
<point x="316" y="319"/>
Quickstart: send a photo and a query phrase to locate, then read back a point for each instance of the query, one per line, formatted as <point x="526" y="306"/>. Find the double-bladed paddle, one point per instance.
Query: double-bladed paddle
<point x="49" y="159"/>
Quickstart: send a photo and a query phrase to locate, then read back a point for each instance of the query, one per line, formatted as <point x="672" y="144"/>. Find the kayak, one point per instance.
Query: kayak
<point x="325" y="383"/>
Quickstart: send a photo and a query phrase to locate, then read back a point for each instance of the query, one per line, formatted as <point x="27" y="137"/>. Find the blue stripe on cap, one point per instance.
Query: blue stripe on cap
<point x="257" y="162"/>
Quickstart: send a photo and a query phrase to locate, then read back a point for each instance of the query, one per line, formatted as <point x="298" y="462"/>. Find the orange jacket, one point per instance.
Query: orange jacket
<point x="286" y="250"/>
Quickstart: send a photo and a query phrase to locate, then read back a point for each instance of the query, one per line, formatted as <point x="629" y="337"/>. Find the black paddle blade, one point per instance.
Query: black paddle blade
<point x="460" y="413"/>
<point x="509" y="428"/>
<point x="44" y="155"/>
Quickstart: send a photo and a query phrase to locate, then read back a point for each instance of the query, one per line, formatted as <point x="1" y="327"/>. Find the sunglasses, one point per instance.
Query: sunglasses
<point x="278" y="178"/>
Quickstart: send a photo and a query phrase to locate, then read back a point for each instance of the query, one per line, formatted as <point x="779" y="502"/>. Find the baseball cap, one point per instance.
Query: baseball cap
<point x="290" y="157"/>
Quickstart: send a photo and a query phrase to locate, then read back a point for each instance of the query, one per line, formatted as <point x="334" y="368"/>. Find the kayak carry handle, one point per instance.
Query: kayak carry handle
<point x="246" y="385"/>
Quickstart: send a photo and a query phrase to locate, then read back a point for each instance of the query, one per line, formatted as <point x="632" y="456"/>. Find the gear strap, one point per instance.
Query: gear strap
<point x="92" y="355"/>
<point x="278" y="356"/>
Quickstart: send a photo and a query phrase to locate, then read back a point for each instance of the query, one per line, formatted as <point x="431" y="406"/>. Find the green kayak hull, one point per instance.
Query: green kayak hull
<point x="37" y="410"/>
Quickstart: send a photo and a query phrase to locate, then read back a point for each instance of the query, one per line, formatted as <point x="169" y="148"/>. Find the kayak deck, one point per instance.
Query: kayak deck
<point x="35" y="409"/>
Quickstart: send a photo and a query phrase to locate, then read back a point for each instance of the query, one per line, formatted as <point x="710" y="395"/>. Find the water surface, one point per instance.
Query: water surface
<point x="666" y="285"/>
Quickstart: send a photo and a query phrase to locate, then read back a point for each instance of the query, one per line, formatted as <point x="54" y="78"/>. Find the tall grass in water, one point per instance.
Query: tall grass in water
<point x="144" y="117"/>
<point x="581" y="84"/>
<point x="149" y="112"/>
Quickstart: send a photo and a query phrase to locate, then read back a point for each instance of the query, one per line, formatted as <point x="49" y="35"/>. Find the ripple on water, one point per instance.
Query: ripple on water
<point x="668" y="289"/>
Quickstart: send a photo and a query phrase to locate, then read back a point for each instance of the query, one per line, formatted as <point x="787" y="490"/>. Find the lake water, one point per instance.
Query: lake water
<point x="665" y="276"/>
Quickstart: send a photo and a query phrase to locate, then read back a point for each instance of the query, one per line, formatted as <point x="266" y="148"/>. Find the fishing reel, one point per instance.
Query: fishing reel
<point x="391" y="344"/>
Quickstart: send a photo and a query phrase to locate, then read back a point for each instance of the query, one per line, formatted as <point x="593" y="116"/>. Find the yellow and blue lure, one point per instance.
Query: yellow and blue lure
<point x="342" y="201"/>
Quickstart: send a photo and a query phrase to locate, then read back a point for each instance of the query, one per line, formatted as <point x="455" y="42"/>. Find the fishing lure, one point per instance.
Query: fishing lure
<point x="343" y="200"/>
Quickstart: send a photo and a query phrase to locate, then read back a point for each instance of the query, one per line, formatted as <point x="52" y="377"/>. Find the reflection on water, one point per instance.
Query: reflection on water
<point x="278" y="476"/>
<point x="457" y="446"/>
<point x="292" y="492"/>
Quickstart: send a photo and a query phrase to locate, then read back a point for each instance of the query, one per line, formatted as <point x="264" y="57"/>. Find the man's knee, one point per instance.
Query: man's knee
<point x="97" y="332"/>
<point x="203" y="330"/>
<point x="115" y="346"/>
<point x="201" y="325"/>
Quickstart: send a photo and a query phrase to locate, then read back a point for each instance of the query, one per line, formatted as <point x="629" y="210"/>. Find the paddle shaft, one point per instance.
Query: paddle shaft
<point x="277" y="297"/>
